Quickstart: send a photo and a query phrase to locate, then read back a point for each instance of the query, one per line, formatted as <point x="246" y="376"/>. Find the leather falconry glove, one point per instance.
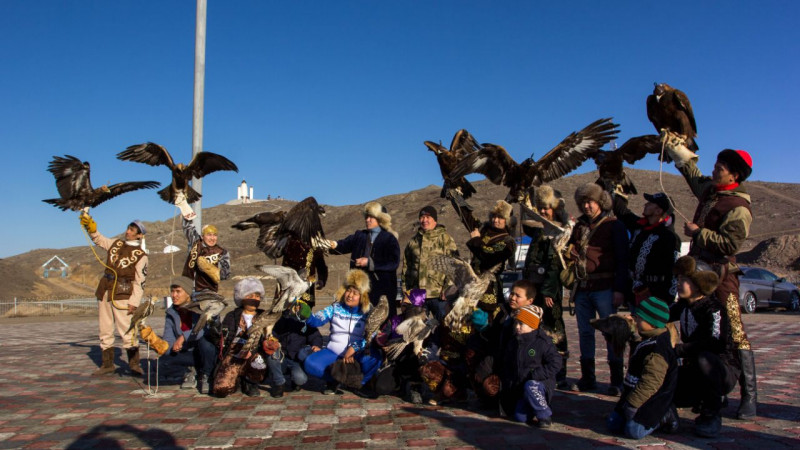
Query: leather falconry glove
<point x="209" y="269"/>
<point x="675" y="146"/>
<point x="156" y="343"/>
<point x="186" y="211"/>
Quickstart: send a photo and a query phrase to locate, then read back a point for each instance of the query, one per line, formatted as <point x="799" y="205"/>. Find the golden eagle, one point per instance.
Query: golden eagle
<point x="609" y="163"/>
<point x="75" y="186"/>
<point x="202" y="164"/>
<point x="494" y="162"/>
<point x="463" y="144"/>
<point x="669" y="108"/>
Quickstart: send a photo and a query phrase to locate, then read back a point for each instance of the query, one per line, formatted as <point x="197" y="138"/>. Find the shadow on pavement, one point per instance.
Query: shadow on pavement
<point x="113" y="437"/>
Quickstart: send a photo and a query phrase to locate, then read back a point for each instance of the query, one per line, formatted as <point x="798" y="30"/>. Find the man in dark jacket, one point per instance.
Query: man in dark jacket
<point x="720" y="226"/>
<point x="710" y="362"/>
<point x="530" y="363"/>
<point x="599" y="248"/>
<point x="375" y="250"/>
<point x="654" y="246"/>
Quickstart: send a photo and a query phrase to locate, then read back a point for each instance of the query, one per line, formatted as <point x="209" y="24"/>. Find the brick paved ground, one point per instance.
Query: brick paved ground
<point x="48" y="400"/>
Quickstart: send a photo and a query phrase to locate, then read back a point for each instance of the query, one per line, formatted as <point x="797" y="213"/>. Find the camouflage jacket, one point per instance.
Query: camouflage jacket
<point x="416" y="272"/>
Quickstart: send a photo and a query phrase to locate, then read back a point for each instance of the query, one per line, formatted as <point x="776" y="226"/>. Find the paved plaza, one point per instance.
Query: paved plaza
<point x="48" y="400"/>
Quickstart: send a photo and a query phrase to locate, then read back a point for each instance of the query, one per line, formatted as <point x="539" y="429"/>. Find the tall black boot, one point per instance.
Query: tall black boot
<point x="561" y="376"/>
<point x="588" y="381"/>
<point x="134" y="364"/>
<point x="617" y="375"/>
<point x="747" y="383"/>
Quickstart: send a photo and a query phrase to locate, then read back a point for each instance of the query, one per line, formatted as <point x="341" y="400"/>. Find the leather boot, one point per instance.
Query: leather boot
<point x="747" y="383"/>
<point x="671" y="421"/>
<point x="107" y="366"/>
<point x="133" y="361"/>
<point x="561" y="376"/>
<point x="617" y="375"/>
<point x="588" y="381"/>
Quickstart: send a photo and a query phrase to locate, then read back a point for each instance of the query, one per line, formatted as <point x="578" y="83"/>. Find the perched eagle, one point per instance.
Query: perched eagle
<point x="470" y="287"/>
<point x="208" y="304"/>
<point x="262" y="326"/>
<point x="413" y="331"/>
<point x="290" y="285"/>
<point x="463" y="144"/>
<point x="202" y="164"/>
<point x="375" y="318"/>
<point x="609" y="163"/>
<point x="75" y="186"/>
<point x="142" y="312"/>
<point x="494" y="162"/>
<point x="669" y="108"/>
<point x="303" y="222"/>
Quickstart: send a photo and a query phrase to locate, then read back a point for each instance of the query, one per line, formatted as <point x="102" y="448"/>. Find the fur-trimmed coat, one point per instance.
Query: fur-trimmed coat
<point x="606" y="253"/>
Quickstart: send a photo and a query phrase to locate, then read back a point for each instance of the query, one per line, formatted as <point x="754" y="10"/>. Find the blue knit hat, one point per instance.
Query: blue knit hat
<point x="653" y="311"/>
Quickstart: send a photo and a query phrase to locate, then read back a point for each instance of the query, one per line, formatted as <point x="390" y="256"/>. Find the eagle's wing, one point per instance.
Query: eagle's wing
<point x="72" y="175"/>
<point x="205" y="163"/>
<point x="147" y="153"/>
<point x="260" y="220"/>
<point x="290" y="283"/>
<point x="303" y="220"/>
<point x="114" y="190"/>
<point x="262" y="326"/>
<point x="636" y="148"/>
<point x="463" y="144"/>
<point x="576" y="148"/>
<point x="455" y="269"/>
<point x="681" y="102"/>
<point x="492" y="160"/>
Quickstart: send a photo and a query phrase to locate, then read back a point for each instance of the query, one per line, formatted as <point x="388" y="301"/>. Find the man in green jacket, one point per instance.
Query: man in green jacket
<point x="720" y="226"/>
<point x="431" y="239"/>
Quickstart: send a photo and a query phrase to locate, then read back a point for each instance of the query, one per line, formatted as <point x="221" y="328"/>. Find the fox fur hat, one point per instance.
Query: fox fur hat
<point x="591" y="191"/>
<point x="547" y="197"/>
<point x="245" y="287"/>
<point x="502" y="209"/>
<point x="699" y="273"/>
<point x="358" y="279"/>
<point x="379" y="212"/>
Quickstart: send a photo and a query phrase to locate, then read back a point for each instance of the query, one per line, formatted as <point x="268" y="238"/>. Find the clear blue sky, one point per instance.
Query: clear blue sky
<point x="334" y="98"/>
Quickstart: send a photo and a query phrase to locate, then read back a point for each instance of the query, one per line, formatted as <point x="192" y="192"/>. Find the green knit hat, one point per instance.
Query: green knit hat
<point x="653" y="311"/>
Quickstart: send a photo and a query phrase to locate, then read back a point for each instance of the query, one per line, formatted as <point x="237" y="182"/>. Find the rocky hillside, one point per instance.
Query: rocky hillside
<point x="774" y="241"/>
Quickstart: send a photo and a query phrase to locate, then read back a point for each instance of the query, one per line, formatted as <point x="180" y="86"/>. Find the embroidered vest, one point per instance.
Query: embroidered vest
<point x="190" y="269"/>
<point x="122" y="258"/>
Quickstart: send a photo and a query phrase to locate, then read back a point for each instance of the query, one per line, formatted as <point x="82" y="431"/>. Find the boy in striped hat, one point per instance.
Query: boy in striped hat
<point x="530" y="363"/>
<point x="649" y="385"/>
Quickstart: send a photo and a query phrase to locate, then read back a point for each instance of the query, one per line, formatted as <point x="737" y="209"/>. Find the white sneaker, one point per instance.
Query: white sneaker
<point x="189" y="380"/>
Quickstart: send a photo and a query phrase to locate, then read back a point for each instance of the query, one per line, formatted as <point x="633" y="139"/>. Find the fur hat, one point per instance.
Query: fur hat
<point x="358" y="279"/>
<point x="738" y="161"/>
<point x="547" y="197"/>
<point x="379" y="212"/>
<point x="699" y="273"/>
<point x="591" y="191"/>
<point x="186" y="283"/>
<point x="245" y="287"/>
<point x="502" y="209"/>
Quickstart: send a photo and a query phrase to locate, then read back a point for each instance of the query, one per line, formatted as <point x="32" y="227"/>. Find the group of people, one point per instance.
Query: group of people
<point x="512" y="353"/>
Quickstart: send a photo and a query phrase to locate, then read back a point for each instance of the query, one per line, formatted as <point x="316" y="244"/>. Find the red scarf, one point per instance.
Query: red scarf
<point x="727" y="187"/>
<point x="643" y="222"/>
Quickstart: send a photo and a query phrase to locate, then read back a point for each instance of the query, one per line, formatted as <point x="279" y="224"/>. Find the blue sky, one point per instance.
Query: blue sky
<point x="334" y="99"/>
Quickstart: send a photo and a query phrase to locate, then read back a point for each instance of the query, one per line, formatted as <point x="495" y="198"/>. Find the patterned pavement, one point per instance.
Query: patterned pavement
<point x="48" y="400"/>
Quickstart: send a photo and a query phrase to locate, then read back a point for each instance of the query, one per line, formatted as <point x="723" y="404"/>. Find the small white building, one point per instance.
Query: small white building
<point x="243" y="193"/>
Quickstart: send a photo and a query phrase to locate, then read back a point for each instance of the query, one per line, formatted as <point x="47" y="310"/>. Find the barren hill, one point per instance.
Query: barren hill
<point x="773" y="242"/>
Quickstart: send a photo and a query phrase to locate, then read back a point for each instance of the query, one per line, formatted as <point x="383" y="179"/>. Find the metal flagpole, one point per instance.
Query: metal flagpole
<point x="199" y="88"/>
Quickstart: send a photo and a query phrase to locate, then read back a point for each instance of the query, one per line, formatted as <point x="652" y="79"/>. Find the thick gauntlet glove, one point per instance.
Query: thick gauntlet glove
<point x="88" y="223"/>
<point x="209" y="269"/>
<point x="155" y="342"/>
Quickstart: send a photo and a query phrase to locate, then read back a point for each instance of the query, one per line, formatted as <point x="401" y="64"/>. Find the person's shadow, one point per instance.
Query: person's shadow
<point x="102" y="436"/>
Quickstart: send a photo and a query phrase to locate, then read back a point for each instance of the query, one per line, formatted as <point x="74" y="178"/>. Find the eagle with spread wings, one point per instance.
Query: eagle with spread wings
<point x="302" y="222"/>
<point x="201" y="165"/>
<point x="267" y="223"/>
<point x="669" y="109"/>
<point x="609" y="163"/>
<point x="75" y="187"/>
<point x="496" y="164"/>
<point x="462" y="145"/>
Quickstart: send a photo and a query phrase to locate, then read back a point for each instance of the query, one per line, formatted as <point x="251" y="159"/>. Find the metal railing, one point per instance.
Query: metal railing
<point x="27" y="308"/>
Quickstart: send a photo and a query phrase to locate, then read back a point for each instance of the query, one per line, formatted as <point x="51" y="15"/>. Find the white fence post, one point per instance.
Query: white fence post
<point x="15" y="306"/>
